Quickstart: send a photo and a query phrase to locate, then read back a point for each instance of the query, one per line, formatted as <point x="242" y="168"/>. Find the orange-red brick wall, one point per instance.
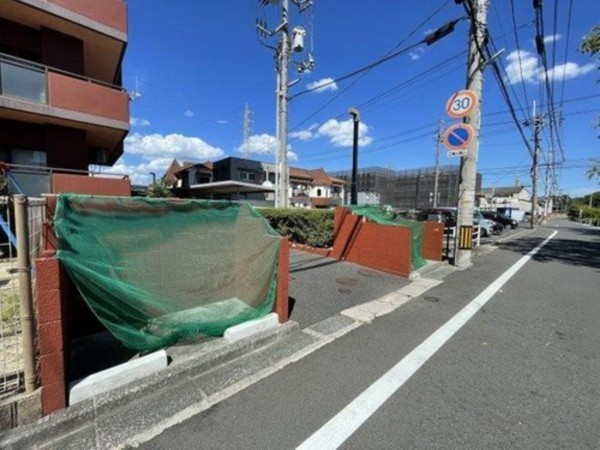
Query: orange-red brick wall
<point x="283" y="282"/>
<point x="380" y="247"/>
<point x="52" y="292"/>
<point x="433" y="241"/>
<point x="346" y="227"/>
<point x="81" y="184"/>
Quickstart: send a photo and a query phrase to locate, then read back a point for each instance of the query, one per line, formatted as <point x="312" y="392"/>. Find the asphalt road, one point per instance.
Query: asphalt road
<point x="521" y="373"/>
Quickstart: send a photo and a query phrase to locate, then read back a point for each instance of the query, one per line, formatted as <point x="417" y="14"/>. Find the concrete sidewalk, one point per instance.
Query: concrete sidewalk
<point x="204" y="372"/>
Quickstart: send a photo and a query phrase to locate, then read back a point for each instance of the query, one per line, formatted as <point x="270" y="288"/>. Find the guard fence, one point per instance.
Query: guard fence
<point x="21" y="220"/>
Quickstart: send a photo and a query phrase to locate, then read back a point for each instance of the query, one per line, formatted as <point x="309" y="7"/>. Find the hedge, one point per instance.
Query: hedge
<point x="302" y="226"/>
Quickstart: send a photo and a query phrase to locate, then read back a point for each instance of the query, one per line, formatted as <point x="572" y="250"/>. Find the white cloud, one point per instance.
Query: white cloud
<point x="340" y="134"/>
<point x="263" y="144"/>
<point x="551" y="38"/>
<point x="189" y="113"/>
<point x="139" y="174"/>
<point x="416" y="53"/>
<point x="323" y="85"/>
<point x="137" y="122"/>
<point x="151" y="146"/>
<point x="303" y="135"/>
<point x="523" y="65"/>
<point x="222" y="121"/>
<point x="569" y="70"/>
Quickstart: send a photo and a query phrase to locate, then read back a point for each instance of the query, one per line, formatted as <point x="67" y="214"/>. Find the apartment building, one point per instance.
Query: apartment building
<point x="62" y="104"/>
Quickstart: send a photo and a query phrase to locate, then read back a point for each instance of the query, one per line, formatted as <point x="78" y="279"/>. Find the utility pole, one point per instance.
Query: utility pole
<point x="438" y="141"/>
<point x="547" y="187"/>
<point x="468" y="164"/>
<point x="282" y="104"/>
<point x="290" y="41"/>
<point x="537" y="127"/>
<point x="353" y="187"/>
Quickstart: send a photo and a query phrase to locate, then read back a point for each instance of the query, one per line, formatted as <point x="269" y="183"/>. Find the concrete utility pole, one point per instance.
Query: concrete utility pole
<point x="537" y="127"/>
<point x="283" y="62"/>
<point x="438" y="141"/>
<point x="353" y="186"/>
<point x="547" y="187"/>
<point x="290" y="43"/>
<point x="468" y="164"/>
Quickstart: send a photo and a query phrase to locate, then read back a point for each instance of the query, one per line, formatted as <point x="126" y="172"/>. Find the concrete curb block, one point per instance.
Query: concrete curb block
<point x="117" y="376"/>
<point x="252" y="327"/>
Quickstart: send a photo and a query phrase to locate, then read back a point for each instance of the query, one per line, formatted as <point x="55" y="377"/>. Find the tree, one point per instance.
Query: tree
<point x="594" y="170"/>
<point x="591" y="43"/>
<point x="159" y="189"/>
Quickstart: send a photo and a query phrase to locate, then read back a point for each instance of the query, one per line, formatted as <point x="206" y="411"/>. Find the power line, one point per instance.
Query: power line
<point x="430" y="39"/>
<point x="514" y="21"/>
<point x="361" y="76"/>
<point x="562" y="87"/>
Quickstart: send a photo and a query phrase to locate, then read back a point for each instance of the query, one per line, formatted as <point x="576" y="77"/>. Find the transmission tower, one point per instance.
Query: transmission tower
<point x="246" y="129"/>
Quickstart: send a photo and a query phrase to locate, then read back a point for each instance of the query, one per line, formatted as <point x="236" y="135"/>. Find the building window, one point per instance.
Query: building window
<point x="202" y="178"/>
<point x="319" y="192"/>
<point x="247" y="176"/>
<point x="28" y="157"/>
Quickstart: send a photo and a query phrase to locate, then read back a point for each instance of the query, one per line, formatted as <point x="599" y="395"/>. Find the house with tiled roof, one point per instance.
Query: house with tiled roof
<point x="326" y="191"/>
<point x="188" y="173"/>
<point x="308" y="188"/>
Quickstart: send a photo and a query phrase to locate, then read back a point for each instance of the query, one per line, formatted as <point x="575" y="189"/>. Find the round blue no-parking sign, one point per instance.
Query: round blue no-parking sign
<point x="458" y="136"/>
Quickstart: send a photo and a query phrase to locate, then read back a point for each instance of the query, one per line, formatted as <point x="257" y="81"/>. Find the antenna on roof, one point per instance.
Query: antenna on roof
<point x="135" y="94"/>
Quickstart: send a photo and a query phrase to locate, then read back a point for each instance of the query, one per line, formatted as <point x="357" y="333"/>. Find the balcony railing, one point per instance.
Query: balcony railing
<point x="28" y="80"/>
<point x="37" y="83"/>
<point x="36" y="180"/>
<point x="22" y="80"/>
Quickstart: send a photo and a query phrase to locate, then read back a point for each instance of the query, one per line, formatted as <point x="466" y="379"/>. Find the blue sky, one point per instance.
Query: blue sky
<point x="196" y="64"/>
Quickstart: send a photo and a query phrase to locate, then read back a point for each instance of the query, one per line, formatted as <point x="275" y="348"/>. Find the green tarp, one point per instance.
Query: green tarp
<point x="158" y="270"/>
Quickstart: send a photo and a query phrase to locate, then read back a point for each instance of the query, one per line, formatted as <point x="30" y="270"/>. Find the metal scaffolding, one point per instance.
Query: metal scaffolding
<point x="408" y="189"/>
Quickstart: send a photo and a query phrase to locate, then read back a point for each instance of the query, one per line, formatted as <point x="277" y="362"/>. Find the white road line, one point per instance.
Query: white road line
<point x="335" y="432"/>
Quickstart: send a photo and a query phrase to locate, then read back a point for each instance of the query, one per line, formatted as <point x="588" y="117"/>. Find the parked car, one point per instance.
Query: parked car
<point x="443" y="215"/>
<point x="488" y="227"/>
<point x="500" y="218"/>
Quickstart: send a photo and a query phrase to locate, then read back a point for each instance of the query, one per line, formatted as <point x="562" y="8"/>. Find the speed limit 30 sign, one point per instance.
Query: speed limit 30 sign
<point x="461" y="103"/>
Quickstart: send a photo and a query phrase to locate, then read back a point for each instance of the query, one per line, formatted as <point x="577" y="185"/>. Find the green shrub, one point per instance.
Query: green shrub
<point x="9" y="313"/>
<point x="302" y="226"/>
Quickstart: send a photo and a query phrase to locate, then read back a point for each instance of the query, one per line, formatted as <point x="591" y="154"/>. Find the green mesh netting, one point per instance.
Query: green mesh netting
<point x="154" y="270"/>
<point x="382" y="217"/>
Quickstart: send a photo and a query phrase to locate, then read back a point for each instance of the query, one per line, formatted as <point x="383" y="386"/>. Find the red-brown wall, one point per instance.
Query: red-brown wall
<point x="382" y="248"/>
<point x="86" y="97"/>
<point x="112" y="13"/>
<point x="282" y="307"/>
<point x="433" y="241"/>
<point x="53" y="288"/>
<point x="81" y="184"/>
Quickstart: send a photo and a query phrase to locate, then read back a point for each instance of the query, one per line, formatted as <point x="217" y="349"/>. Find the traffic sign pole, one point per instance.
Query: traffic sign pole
<point x="468" y="166"/>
